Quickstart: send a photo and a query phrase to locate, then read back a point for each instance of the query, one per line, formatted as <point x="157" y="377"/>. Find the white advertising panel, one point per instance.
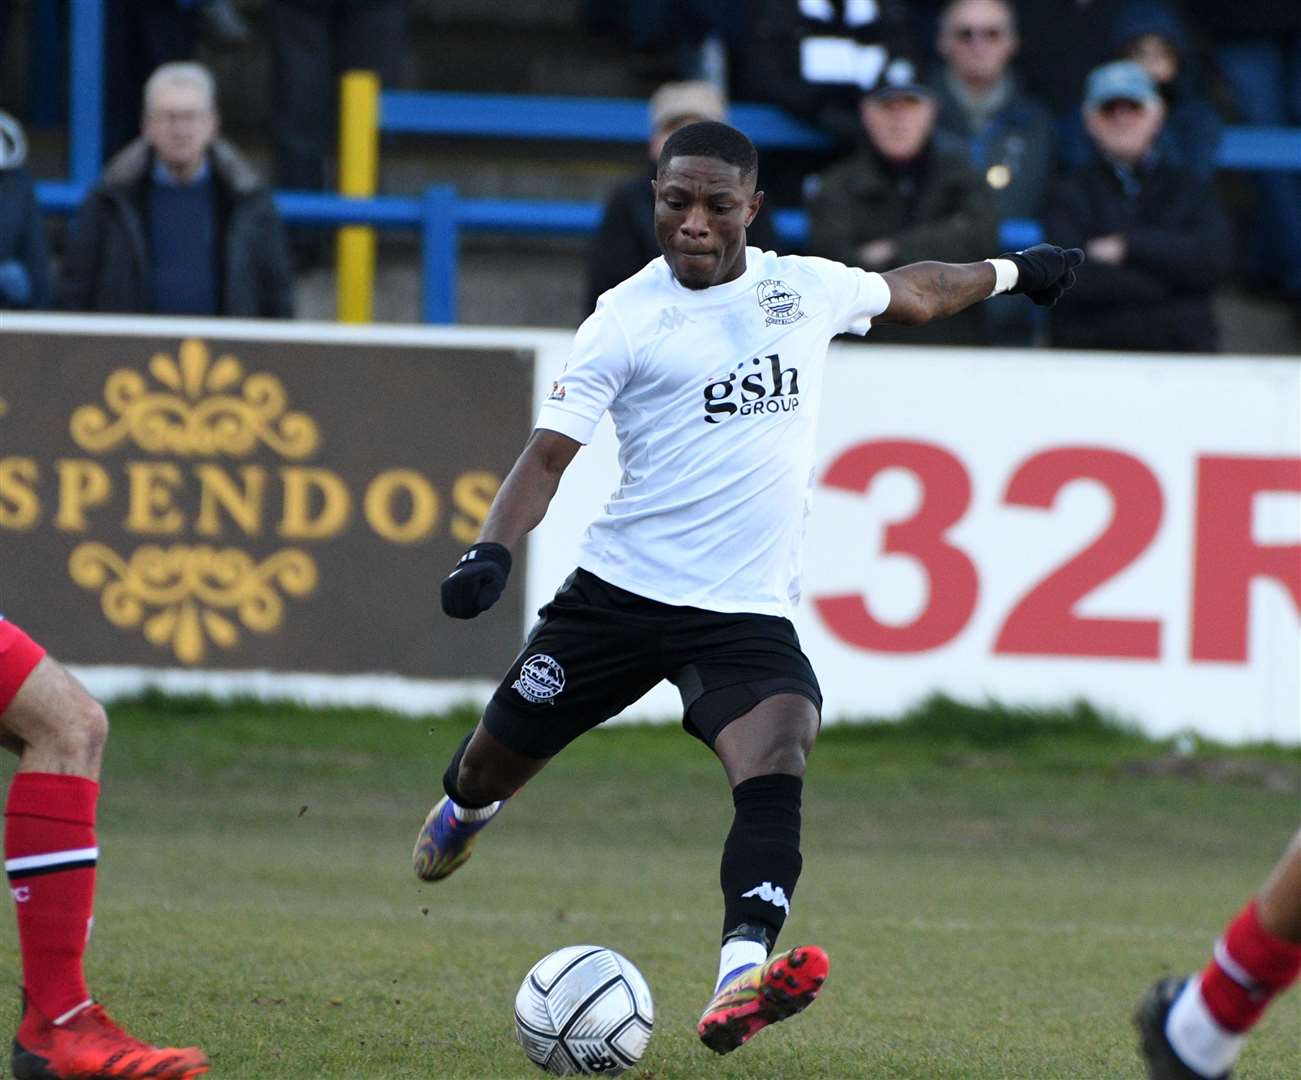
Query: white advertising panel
<point x="1039" y="528"/>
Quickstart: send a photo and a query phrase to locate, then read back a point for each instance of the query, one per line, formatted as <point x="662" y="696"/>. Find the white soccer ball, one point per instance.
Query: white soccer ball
<point x="584" y="1011"/>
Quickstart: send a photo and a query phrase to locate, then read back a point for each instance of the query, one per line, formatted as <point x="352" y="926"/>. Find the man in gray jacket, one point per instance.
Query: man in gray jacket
<point x="179" y="223"/>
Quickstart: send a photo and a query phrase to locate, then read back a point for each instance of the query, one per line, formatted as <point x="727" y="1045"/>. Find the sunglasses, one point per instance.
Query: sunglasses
<point x="968" y="34"/>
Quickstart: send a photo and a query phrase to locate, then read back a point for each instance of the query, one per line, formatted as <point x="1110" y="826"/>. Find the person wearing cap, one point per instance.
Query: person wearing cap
<point x="625" y="239"/>
<point x="1157" y="239"/>
<point x="1153" y="34"/>
<point x="909" y="194"/>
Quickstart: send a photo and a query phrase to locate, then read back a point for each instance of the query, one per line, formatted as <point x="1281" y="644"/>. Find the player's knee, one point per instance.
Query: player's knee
<point x="83" y="729"/>
<point x="788" y="756"/>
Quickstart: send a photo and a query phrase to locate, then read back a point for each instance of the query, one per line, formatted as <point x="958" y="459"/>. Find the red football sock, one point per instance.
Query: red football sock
<point x="1251" y="965"/>
<point x="50" y="857"/>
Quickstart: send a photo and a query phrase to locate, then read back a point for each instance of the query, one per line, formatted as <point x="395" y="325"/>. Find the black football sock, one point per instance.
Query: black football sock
<point x="761" y="858"/>
<point x="449" y="779"/>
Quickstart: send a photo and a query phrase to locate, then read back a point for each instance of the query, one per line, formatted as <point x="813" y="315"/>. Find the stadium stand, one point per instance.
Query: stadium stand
<point x="441" y="215"/>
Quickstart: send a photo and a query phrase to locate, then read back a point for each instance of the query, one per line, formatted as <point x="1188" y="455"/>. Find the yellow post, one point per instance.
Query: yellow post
<point x="358" y="176"/>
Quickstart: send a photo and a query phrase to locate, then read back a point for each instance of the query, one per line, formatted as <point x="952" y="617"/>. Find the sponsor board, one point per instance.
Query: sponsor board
<point x="187" y="499"/>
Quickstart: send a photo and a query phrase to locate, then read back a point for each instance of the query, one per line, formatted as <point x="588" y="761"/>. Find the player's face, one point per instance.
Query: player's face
<point x="702" y="209"/>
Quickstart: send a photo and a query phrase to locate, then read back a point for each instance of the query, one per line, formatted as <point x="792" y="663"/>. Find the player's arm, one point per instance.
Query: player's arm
<point x="520" y="504"/>
<point x="529" y="487"/>
<point x="920" y="292"/>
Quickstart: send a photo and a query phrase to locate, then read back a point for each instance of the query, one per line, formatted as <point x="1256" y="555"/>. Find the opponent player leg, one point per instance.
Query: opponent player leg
<point x="50" y="854"/>
<point x="763" y="753"/>
<point x="1194" y="1028"/>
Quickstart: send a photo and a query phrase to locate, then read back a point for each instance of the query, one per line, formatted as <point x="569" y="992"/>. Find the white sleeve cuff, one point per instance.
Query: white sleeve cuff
<point x="578" y="428"/>
<point x="1005" y="275"/>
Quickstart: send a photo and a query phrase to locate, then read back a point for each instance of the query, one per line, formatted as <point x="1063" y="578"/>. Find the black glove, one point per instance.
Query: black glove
<point x="476" y="583"/>
<point x="1045" y="271"/>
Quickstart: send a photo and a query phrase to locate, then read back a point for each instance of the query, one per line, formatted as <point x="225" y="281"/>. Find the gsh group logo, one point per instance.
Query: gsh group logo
<point x="764" y="389"/>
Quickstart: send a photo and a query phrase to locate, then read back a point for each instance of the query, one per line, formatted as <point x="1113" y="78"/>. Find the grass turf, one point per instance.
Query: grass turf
<point x="996" y="889"/>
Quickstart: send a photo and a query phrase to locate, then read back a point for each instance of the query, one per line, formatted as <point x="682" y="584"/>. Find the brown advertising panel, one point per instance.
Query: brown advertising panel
<point x="254" y="505"/>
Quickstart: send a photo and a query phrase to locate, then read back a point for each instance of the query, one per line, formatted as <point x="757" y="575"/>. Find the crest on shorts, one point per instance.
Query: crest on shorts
<point x="540" y="679"/>
<point x="779" y="301"/>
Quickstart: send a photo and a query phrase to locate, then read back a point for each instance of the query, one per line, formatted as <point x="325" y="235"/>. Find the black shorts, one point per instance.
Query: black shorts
<point x="597" y="648"/>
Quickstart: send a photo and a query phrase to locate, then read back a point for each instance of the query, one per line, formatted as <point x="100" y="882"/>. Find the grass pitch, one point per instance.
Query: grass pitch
<point x="996" y="890"/>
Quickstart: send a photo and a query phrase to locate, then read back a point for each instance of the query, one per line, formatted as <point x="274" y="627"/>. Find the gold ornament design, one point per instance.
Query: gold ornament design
<point x="180" y="592"/>
<point x="204" y="408"/>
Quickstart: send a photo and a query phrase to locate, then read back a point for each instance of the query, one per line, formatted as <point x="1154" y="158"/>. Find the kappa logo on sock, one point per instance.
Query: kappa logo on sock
<point x="21" y="894"/>
<point x="770" y="895"/>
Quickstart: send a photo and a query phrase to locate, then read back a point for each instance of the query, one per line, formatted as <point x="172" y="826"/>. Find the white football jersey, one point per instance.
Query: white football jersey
<point x="714" y="396"/>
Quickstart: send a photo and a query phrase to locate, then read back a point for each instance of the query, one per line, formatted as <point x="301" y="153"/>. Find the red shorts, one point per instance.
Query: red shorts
<point x="18" y="655"/>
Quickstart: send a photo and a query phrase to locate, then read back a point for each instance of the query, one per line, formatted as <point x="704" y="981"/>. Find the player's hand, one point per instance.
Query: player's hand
<point x="1045" y="271"/>
<point x="477" y="582"/>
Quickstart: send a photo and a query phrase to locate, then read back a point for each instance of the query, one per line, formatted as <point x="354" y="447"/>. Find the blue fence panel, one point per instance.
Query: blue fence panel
<point x="86" y="73"/>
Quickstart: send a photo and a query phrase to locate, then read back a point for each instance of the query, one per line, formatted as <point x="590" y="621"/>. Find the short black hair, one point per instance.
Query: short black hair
<point x="710" y="138"/>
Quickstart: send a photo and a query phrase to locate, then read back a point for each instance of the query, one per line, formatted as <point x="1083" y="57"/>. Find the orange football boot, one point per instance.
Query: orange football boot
<point x="762" y="995"/>
<point x="90" y="1046"/>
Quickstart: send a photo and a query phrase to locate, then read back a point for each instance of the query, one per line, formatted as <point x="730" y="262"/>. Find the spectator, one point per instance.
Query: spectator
<point x="625" y="240"/>
<point x="179" y="224"/>
<point x="1156" y="238"/>
<point x="816" y="59"/>
<point x="140" y="36"/>
<point x="908" y="195"/>
<point x="1258" y="50"/>
<point x="1009" y="136"/>
<point x="1152" y="34"/>
<point x="24" y="257"/>
<point x="1068" y="38"/>
<point x="313" y="42"/>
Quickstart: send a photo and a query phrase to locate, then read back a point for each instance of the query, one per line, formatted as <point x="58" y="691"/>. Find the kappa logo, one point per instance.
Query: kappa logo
<point x="557" y="392"/>
<point x="540" y="679"/>
<point x="770" y="895"/>
<point x="672" y="319"/>
<point x="779" y="301"/>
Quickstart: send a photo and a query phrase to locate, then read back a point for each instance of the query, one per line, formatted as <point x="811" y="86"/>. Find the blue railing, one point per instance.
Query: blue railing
<point x="441" y="214"/>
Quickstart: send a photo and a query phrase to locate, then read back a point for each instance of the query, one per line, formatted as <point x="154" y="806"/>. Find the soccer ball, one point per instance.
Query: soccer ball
<point x="584" y="1011"/>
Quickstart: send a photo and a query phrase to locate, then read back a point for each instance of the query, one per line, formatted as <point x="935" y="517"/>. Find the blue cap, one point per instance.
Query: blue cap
<point x="1122" y="80"/>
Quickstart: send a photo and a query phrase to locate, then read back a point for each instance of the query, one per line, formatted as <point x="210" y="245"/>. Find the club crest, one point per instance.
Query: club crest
<point x="780" y="303"/>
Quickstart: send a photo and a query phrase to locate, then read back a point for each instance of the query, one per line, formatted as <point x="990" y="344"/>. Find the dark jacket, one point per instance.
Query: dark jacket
<point x="1019" y="136"/>
<point x="106" y="267"/>
<point x="625" y="239"/>
<point x="1179" y="247"/>
<point x="22" y="234"/>
<point x="940" y="209"/>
